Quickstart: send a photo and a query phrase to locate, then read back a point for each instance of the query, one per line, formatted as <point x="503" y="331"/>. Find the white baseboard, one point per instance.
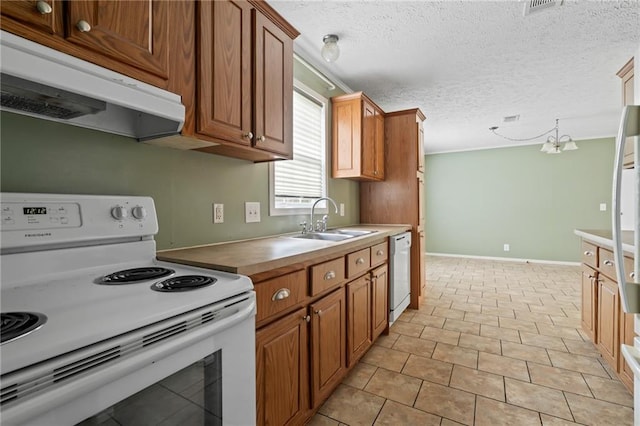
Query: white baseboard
<point x="507" y="259"/>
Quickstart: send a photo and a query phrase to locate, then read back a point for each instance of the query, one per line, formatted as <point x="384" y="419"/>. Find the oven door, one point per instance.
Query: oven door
<point x="201" y="376"/>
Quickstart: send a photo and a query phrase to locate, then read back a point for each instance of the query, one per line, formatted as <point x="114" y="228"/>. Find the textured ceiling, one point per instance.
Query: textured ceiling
<point x="468" y="64"/>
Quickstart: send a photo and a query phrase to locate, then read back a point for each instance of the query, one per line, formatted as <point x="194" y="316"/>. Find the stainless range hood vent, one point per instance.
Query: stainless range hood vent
<point x="44" y="83"/>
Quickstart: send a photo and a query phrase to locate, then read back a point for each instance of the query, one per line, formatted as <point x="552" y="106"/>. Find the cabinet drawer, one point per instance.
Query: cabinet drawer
<point x="379" y="254"/>
<point x="358" y="262"/>
<point x="327" y="275"/>
<point x="607" y="264"/>
<point x="277" y="294"/>
<point x="589" y="254"/>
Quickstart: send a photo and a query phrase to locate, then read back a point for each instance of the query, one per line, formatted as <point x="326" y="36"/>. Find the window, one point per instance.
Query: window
<point x="295" y="184"/>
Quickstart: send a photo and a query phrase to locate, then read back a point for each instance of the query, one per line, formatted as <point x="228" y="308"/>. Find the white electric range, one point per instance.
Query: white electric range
<point x="93" y="324"/>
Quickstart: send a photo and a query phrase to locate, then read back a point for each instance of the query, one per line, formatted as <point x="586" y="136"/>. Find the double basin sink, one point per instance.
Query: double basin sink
<point x="334" y="234"/>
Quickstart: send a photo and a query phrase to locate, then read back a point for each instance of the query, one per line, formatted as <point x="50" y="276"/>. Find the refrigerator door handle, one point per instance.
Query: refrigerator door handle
<point x="629" y="291"/>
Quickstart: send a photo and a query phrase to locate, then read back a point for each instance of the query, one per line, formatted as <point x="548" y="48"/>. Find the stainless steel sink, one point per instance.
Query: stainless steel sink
<point x="352" y="232"/>
<point x="327" y="236"/>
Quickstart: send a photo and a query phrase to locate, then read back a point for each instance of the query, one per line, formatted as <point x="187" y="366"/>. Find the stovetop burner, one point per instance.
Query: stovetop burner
<point x="134" y="275"/>
<point x="17" y="324"/>
<point x="183" y="283"/>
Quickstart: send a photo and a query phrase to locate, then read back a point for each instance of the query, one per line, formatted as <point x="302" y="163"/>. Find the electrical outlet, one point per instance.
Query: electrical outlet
<point x="218" y="213"/>
<point x="341" y="209"/>
<point x="251" y="211"/>
<point x="506" y="247"/>
<point x="603" y="207"/>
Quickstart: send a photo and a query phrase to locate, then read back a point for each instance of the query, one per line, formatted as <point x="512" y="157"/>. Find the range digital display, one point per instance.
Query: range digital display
<point x="34" y="210"/>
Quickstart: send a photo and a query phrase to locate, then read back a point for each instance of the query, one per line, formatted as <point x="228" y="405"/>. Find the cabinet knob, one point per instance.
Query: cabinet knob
<point x="379" y="253"/>
<point x="632" y="275"/>
<point x="318" y="312"/>
<point x="375" y="172"/>
<point x="359" y="261"/>
<point x="261" y="139"/>
<point x="44" y="7"/>
<point x="248" y="135"/>
<point x="329" y="275"/>
<point x="281" y="294"/>
<point x="307" y="318"/>
<point x="83" y="26"/>
<point x="608" y="262"/>
<point x="588" y="253"/>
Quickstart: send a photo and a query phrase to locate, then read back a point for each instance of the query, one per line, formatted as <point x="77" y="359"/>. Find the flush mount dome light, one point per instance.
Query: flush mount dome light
<point x="330" y="51"/>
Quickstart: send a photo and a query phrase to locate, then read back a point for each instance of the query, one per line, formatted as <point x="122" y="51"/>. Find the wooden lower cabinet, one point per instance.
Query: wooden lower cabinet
<point x="328" y="342"/>
<point x="358" y="318"/>
<point x="379" y="301"/>
<point x="283" y="371"/>
<point x="608" y="320"/>
<point x="589" y="301"/>
<point x="626" y="335"/>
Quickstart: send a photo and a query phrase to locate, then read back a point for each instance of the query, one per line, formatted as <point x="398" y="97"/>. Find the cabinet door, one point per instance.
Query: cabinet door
<point x="358" y="318"/>
<point x="372" y="142"/>
<point x="41" y="16"/>
<point x="607" y="332"/>
<point x="379" y="304"/>
<point x="224" y="71"/>
<point x="589" y="305"/>
<point x="282" y="371"/>
<point x="346" y="134"/>
<point x="420" y="146"/>
<point x="273" y="97"/>
<point x="328" y="352"/>
<point x="131" y="32"/>
<point x="626" y="336"/>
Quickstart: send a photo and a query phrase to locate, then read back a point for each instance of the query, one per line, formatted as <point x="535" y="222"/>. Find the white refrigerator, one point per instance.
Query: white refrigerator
<point x="626" y="216"/>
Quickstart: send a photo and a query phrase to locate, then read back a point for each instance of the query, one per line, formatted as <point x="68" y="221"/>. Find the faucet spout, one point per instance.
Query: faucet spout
<point x="313" y="207"/>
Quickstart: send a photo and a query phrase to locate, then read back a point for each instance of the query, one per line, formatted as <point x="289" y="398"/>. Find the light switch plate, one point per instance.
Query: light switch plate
<point x="252" y="211"/>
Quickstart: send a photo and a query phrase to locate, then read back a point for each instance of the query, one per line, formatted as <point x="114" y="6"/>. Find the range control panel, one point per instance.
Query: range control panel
<point x="45" y="219"/>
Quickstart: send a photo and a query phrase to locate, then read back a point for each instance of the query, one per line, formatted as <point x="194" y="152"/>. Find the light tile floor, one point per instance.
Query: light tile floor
<point x="494" y="343"/>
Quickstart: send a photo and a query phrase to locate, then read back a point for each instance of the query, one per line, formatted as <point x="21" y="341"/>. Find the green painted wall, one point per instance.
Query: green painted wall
<point x="43" y="156"/>
<point x="476" y="201"/>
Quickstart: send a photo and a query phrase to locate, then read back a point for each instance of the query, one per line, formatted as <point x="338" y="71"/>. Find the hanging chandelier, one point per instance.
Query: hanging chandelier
<point x="553" y="144"/>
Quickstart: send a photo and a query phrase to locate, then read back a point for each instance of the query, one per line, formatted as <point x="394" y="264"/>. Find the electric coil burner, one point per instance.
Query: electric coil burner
<point x="112" y="347"/>
<point x="183" y="283"/>
<point x="135" y="275"/>
<point x="17" y="324"/>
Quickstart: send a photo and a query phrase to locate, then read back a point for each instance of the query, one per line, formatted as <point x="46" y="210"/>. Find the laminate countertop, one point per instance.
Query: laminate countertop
<point x="604" y="238"/>
<point x="250" y="257"/>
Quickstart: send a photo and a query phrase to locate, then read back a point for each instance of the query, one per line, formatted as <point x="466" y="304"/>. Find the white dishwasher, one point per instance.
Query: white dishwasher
<point x="400" y="275"/>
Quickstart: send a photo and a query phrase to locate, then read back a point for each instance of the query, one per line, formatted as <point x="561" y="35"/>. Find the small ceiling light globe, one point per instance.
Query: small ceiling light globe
<point x="330" y="51"/>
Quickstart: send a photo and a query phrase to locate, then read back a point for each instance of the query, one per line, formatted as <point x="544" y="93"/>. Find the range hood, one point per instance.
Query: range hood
<point x="44" y="83"/>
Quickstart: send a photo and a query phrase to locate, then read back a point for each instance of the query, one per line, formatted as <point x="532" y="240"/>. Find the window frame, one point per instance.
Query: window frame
<point x="322" y="206"/>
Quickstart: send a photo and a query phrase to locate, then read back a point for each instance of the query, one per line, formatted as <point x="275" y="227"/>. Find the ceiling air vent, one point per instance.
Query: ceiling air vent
<point x="532" y="6"/>
<point x="511" y="118"/>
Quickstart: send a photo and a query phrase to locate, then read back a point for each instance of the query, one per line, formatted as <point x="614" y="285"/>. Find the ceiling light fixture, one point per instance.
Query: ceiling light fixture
<point x="330" y="51"/>
<point x="553" y="143"/>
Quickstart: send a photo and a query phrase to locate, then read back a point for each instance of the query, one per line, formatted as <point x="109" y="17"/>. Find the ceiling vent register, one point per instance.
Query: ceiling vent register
<point x="533" y="6"/>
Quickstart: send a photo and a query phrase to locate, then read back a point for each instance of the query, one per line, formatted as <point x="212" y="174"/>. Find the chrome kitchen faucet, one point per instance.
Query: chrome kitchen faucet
<point x="321" y="225"/>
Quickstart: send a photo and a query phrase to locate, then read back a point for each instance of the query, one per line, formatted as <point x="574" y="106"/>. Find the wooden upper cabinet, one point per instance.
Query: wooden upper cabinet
<point x="224" y="71"/>
<point x="357" y="138"/>
<point x="129" y="37"/>
<point x="132" y="32"/>
<point x="626" y="75"/>
<point x="245" y="75"/>
<point x="39" y="16"/>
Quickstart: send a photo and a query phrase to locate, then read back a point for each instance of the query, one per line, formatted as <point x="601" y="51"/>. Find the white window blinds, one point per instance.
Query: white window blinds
<point x="298" y="182"/>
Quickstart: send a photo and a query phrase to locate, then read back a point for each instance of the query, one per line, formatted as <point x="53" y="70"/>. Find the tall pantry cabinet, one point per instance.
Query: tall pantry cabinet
<point x="399" y="198"/>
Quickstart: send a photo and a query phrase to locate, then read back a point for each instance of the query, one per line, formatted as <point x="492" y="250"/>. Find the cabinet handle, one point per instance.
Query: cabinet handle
<point x="261" y="139"/>
<point x="359" y="261"/>
<point x="248" y="135"/>
<point x="329" y="275"/>
<point x="632" y="275"/>
<point x="83" y="26"/>
<point x="318" y="312"/>
<point x="588" y="253"/>
<point x="591" y="276"/>
<point x="44" y="7"/>
<point x="379" y="253"/>
<point x="307" y="318"/>
<point x="281" y="294"/>
<point x="608" y="262"/>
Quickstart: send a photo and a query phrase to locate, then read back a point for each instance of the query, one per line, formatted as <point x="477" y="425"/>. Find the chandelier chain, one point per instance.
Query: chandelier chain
<point x="493" y="129"/>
